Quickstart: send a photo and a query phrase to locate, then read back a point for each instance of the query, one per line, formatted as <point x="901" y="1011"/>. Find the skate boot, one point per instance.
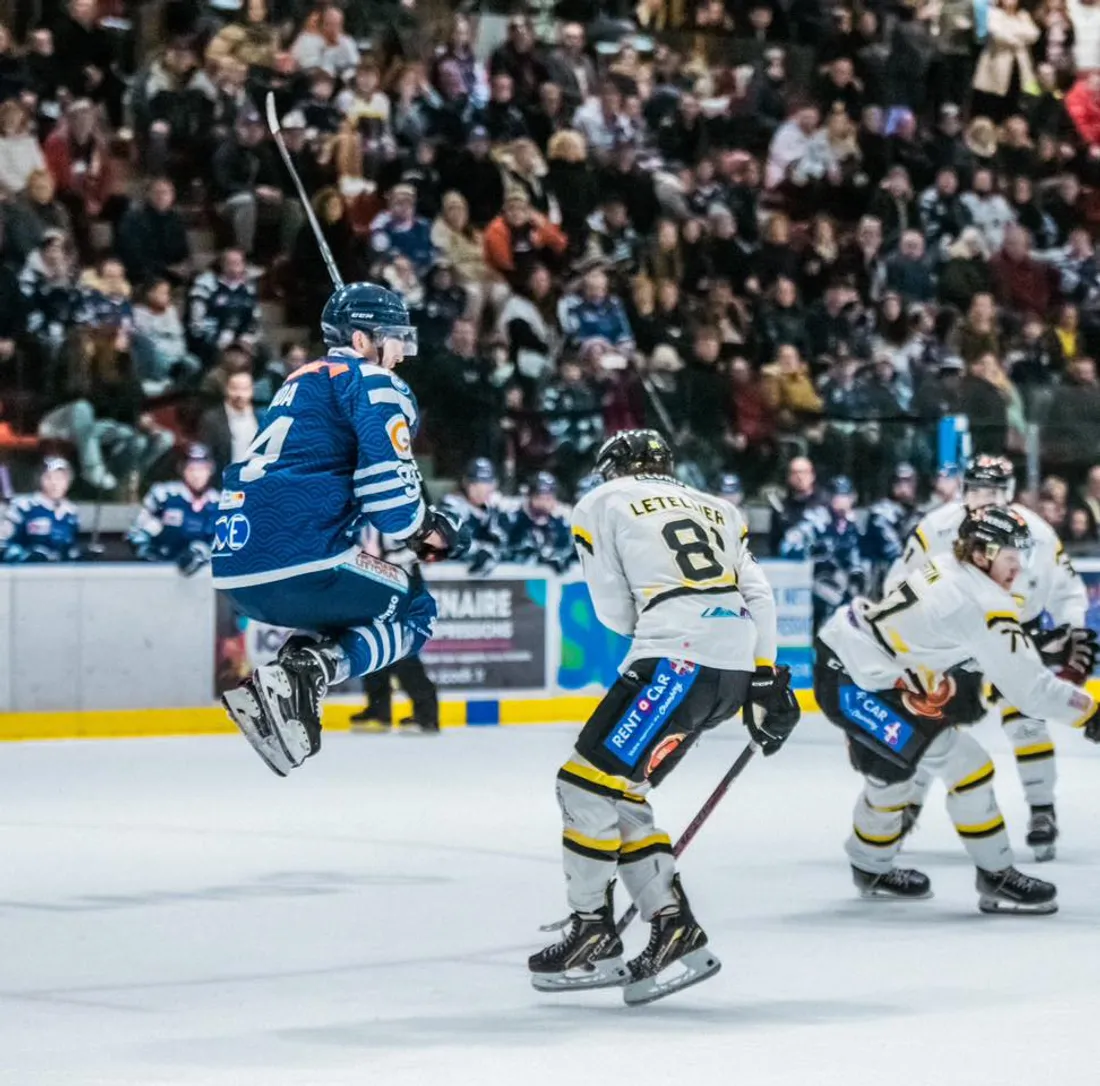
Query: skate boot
<point x="290" y="692"/>
<point x="366" y="723"/>
<point x="410" y="725"/>
<point x="1011" y="891"/>
<point x="901" y="883"/>
<point x="243" y="707"/>
<point x="675" y="939"/>
<point x="588" y="955"/>
<point x="1042" y="832"/>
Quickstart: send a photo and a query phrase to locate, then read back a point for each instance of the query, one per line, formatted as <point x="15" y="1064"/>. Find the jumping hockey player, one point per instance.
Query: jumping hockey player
<point x="896" y="677"/>
<point x="1049" y="583"/>
<point x="538" y="531"/>
<point x="176" y="522"/>
<point x="43" y="527"/>
<point x="334" y="456"/>
<point x="667" y="566"/>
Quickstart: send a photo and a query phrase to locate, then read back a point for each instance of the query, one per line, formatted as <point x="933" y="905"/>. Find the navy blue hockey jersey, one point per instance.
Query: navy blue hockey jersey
<point x="34" y="529"/>
<point x="334" y="455"/>
<point x="171" y="519"/>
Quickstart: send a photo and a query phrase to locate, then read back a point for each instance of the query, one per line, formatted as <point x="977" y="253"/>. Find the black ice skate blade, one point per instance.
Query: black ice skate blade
<point x="611" y="973"/>
<point x="698" y="965"/>
<point x="886" y="895"/>
<point x="993" y="906"/>
<point x="244" y="710"/>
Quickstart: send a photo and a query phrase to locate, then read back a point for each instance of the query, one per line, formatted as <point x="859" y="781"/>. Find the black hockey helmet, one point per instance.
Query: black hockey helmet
<point x="634" y="452"/>
<point x="992" y="527"/>
<point x="986" y="472"/>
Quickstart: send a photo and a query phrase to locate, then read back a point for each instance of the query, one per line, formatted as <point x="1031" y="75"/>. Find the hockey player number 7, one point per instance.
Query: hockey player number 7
<point x="270" y="439"/>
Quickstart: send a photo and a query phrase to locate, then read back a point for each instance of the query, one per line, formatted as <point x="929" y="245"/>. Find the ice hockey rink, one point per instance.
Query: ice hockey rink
<point x="174" y="913"/>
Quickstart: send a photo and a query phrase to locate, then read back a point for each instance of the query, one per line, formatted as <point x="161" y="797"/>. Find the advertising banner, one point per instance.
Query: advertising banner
<point x="1089" y="568"/>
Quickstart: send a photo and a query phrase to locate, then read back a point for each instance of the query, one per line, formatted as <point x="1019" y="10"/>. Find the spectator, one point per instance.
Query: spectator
<point x="979" y="334"/>
<point x="20" y="153"/>
<point x="782" y="320"/>
<point x="1074" y="430"/>
<point x="942" y="213"/>
<point x="538" y="532"/>
<point x="791" y="143"/>
<point x="801" y="500"/>
<point x="152" y="238"/>
<point x="594" y="313"/>
<point x="937" y="397"/>
<point x="529" y="320"/>
<point x="750" y="434"/>
<point x="1090" y="499"/>
<point x="246" y="182"/>
<point x="400" y="231"/>
<point x="966" y="272"/>
<point x="323" y="44"/>
<point x="1004" y="67"/>
<point x="250" y="39"/>
<point x="520" y="58"/>
<point x="519" y="238"/>
<point x="1078" y="269"/>
<point x="31" y="215"/>
<point x="989" y="210"/>
<point x="1083" y="107"/>
<point x="570" y="69"/>
<point x="44" y="526"/>
<point x="49" y="292"/>
<point x="865" y="260"/>
<point x="571" y="407"/>
<point x="1079" y="536"/>
<point x="106" y="294"/>
<point x="524" y="168"/>
<point x="549" y="117"/>
<point x="459" y="242"/>
<point x="87" y="52"/>
<point x="157" y="320"/>
<point x="1036" y="357"/>
<point x="981" y="401"/>
<point x="895" y="206"/>
<point x="229" y="429"/>
<point x="501" y="117"/>
<point x="908" y="271"/>
<point x="789" y="393"/>
<point x="1019" y="281"/>
<point x="223" y="308"/>
<point x="476" y="177"/>
<point x="602" y="122"/>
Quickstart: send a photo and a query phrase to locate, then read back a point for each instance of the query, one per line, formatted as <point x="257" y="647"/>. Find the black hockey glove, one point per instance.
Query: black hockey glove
<point x="1069" y="650"/>
<point x="194" y="558"/>
<point x="455" y="534"/>
<point x="772" y="710"/>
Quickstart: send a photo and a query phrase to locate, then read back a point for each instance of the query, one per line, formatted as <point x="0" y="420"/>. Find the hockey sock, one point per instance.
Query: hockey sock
<point x="374" y="646"/>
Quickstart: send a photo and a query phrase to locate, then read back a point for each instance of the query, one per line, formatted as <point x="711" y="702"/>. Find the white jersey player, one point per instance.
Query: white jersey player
<point x="668" y="567"/>
<point x="1048" y="583"/>
<point x="900" y="676"/>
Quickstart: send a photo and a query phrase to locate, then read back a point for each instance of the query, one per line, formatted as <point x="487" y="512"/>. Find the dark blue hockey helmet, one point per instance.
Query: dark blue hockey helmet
<point x="729" y="485"/>
<point x="56" y="463"/>
<point x="544" y="483"/>
<point x="904" y="470"/>
<point x="197" y="453"/>
<point x="587" y="483"/>
<point x="842" y="485"/>
<point x="367" y="308"/>
<point x="480" y="470"/>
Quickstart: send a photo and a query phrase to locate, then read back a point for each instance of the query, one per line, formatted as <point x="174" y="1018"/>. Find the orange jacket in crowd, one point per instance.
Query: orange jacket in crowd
<point x="1084" y="109"/>
<point x="498" y="241"/>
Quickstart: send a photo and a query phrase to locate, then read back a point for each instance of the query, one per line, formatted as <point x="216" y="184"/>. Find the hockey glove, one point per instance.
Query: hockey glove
<point x="1092" y="725"/>
<point x="772" y="710"/>
<point x="1070" y="650"/>
<point x="456" y="536"/>
<point x="194" y="558"/>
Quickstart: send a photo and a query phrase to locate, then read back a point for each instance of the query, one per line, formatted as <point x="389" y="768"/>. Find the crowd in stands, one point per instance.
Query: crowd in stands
<point x="784" y="234"/>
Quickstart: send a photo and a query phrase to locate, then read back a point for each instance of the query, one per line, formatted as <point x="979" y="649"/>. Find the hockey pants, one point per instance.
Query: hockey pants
<point x="639" y="732"/>
<point x="966" y="769"/>
<point x="376" y="617"/>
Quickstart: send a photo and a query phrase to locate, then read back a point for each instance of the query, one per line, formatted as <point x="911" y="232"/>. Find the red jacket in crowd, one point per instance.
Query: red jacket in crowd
<point x="90" y="179"/>
<point x="1023" y="285"/>
<point x="1083" y="106"/>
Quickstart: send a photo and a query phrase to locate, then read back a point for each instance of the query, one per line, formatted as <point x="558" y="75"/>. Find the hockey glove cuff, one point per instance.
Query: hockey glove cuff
<point x="771" y="711"/>
<point x="456" y="536"/>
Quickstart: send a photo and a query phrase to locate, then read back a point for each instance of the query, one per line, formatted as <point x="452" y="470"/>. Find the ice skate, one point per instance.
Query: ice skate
<point x="1011" y="891"/>
<point x="410" y="725"/>
<point x="366" y="723"/>
<point x="1042" y="833"/>
<point x="289" y="693"/>
<point x="899" y="883"/>
<point x="244" y="710"/>
<point x="676" y="957"/>
<point x="589" y="954"/>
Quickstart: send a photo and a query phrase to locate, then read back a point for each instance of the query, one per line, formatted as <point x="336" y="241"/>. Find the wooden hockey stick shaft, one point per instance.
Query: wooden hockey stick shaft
<point x="696" y="823"/>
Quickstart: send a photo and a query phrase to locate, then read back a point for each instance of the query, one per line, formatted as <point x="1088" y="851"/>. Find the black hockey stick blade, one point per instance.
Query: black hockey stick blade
<point x="696" y="823"/>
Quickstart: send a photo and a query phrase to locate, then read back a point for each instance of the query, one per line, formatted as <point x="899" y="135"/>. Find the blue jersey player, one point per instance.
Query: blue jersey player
<point x="43" y="527"/>
<point x="176" y="522"/>
<point x="333" y="457"/>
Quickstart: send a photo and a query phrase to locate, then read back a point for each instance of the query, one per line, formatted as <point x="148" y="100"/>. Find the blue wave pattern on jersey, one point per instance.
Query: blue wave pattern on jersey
<point x="333" y="455"/>
<point x="171" y="519"/>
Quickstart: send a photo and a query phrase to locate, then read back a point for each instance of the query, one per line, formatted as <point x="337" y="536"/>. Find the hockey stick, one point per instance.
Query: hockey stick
<point x="303" y="196"/>
<point x="696" y="823"/>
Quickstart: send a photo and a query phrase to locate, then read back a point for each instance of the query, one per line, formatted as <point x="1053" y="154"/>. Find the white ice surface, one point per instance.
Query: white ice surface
<point x="171" y="912"/>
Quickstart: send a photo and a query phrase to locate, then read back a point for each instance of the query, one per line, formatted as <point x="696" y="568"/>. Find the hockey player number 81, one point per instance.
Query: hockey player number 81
<point x="690" y="544"/>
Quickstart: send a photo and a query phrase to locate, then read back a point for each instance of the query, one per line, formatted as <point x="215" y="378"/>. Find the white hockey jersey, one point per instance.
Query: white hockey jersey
<point x="669" y="567"/>
<point x="1048" y="581"/>
<point x="946" y="614"/>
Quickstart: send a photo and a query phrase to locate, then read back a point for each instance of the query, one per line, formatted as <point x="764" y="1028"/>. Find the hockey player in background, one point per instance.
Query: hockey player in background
<point x="476" y="505"/>
<point x="409" y="671"/>
<point x="334" y="456"/>
<point x="667" y="566"/>
<point x="730" y="488"/>
<point x="1048" y="584"/>
<point x="889" y="522"/>
<point x="538" y="531"/>
<point x="43" y="527"/>
<point x="830" y="538"/>
<point x="902" y="676"/>
<point x="176" y="522"/>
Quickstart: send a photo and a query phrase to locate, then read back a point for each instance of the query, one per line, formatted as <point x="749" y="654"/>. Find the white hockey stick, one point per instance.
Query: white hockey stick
<point x="303" y="196"/>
